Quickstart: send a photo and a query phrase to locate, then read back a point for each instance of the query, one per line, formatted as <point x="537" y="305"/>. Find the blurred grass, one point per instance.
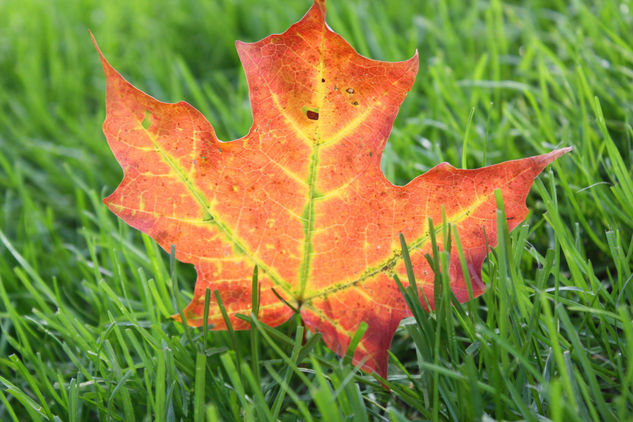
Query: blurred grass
<point x="84" y="300"/>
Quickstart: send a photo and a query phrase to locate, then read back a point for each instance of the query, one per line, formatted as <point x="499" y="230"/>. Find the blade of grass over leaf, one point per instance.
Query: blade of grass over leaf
<point x="255" y="300"/>
<point x="205" y="323"/>
<point x="351" y="348"/>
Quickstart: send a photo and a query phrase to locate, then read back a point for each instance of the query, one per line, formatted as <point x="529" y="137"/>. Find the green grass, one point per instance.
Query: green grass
<point x="85" y="300"/>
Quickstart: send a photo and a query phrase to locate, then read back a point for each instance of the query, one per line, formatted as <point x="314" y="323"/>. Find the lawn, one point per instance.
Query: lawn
<point x="85" y="301"/>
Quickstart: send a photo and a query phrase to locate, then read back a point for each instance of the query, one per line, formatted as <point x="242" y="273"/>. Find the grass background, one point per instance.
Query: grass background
<point x="84" y="299"/>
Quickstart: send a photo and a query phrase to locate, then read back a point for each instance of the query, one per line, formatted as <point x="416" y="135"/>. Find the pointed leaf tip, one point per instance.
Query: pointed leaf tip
<point x="94" y="42"/>
<point x="551" y="156"/>
<point x="562" y="151"/>
<point x="320" y="4"/>
<point x="107" y="68"/>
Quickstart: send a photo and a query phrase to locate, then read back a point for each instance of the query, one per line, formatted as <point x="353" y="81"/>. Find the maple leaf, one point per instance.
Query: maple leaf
<point x="302" y="195"/>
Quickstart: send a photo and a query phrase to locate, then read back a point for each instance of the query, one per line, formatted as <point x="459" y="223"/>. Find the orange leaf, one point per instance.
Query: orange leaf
<point x="302" y="195"/>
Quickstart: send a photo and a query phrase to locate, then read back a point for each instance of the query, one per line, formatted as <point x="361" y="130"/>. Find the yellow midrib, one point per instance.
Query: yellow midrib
<point x="308" y="224"/>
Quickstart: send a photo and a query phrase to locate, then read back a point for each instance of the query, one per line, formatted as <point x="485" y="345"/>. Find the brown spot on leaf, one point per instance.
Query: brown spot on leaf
<point x="312" y="115"/>
<point x="350" y="90"/>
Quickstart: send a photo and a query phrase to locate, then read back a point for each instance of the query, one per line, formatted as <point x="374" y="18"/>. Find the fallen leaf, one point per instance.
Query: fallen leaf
<point x="302" y="195"/>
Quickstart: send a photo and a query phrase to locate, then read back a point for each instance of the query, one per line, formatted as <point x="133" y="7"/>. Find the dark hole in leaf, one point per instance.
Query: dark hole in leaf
<point x="350" y="90"/>
<point x="312" y="115"/>
<point x="322" y="80"/>
<point x="355" y="103"/>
